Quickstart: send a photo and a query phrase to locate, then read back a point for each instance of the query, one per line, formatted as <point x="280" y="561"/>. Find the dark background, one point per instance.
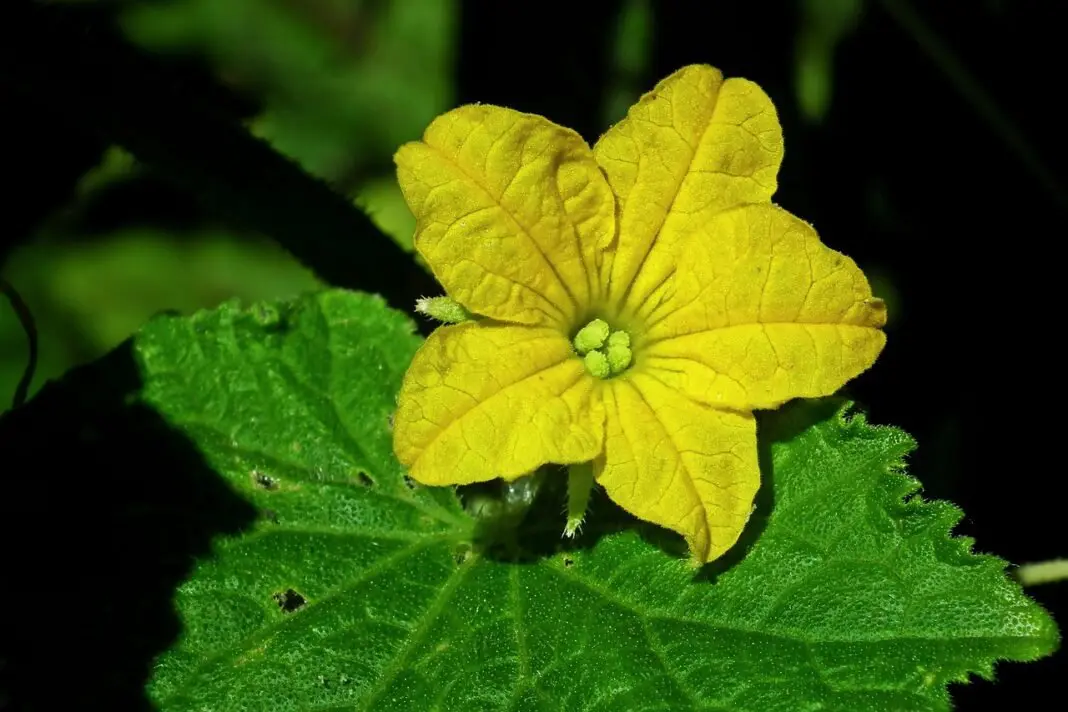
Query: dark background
<point x="936" y="161"/>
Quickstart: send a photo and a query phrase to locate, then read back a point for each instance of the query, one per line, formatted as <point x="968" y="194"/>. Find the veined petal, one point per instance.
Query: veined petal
<point x="673" y="462"/>
<point x="483" y="400"/>
<point x="512" y="213"/>
<point x="694" y="146"/>
<point x="761" y="312"/>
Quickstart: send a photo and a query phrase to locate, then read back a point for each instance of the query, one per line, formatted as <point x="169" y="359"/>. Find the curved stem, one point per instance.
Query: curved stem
<point x="22" y="311"/>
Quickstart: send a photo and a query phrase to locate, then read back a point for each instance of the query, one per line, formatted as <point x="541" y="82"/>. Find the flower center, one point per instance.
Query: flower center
<point x="605" y="352"/>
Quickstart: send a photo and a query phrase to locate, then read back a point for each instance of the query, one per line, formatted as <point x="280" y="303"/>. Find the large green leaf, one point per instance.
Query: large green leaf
<point x="356" y="590"/>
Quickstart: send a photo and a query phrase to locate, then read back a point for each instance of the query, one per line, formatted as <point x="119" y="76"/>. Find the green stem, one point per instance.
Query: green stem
<point x="1050" y="571"/>
<point x="579" y="486"/>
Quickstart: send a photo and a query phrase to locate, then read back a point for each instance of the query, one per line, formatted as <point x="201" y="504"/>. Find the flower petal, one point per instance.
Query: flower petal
<point x="512" y="213"/>
<point x="694" y="146"/>
<point x="678" y="464"/>
<point x="481" y="401"/>
<point x="761" y="312"/>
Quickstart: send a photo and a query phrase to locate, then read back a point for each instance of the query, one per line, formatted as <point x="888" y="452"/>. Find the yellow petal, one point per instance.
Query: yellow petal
<point x="512" y="213"/>
<point x="678" y="464"/>
<point x="481" y="401"/>
<point x="694" y="146"/>
<point x="760" y="311"/>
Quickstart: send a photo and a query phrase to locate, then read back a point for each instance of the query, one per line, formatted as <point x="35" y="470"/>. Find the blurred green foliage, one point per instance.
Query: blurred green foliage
<point x="339" y="84"/>
<point x="630" y="56"/>
<point x="824" y="23"/>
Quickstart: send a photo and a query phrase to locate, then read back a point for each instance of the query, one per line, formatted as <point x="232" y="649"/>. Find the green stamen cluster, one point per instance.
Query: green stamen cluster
<point x="605" y="352"/>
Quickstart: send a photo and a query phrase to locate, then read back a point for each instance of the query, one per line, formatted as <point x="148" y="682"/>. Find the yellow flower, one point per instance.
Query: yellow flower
<point x="633" y="303"/>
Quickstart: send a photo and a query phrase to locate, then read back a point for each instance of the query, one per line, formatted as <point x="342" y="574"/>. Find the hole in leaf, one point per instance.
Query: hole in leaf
<point x="264" y="481"/>
<point x="268" y="316"/>
<point x="365" y="479"/>
<point x="568" y="562"/>
<point x="390" y="421"/>
<point x="409" y="482"/>
<point x="459" y="556"/>
<point x="289" y="600"/>
<point x="274" y="318"/>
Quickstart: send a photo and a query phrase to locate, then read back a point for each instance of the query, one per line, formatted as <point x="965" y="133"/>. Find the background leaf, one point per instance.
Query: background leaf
<point x="333" y="86"/>
<point x="355" y="590"/>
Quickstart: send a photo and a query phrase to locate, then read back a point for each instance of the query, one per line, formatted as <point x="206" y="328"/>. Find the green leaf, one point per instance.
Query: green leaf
<point x="355" y="590"/>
